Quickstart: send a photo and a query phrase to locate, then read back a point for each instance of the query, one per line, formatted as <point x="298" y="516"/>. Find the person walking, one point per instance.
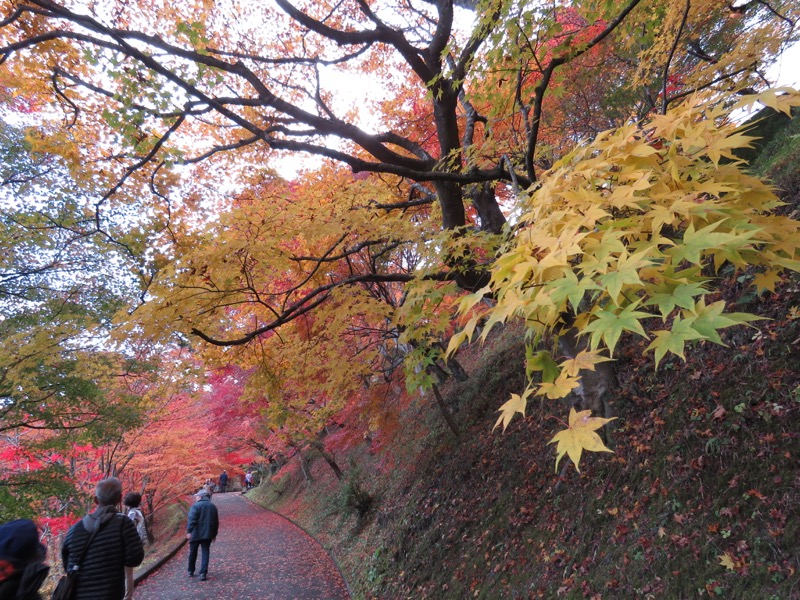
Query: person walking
<point x="132" y="501"/>
<point x="22" y="555"/>
<point x="201" y="530"/>
<point x="116" y="546"/>
<point x="223" y="481"/>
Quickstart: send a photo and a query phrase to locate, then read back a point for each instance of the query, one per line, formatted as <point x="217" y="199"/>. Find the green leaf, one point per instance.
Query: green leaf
<point x="673" y="340"/>
<point x="608" y="325"/>
<point x="669" y="295"/>
<point x="626" y="273"/>
<point x="697" y="243"/>
<point x="570" y="288"/>
<point x="706" y="320"/>
<point x="542" y="361"/>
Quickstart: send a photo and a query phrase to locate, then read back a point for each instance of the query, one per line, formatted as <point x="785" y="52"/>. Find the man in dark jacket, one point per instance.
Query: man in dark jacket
<point x="223" y="481"/>
<point x="22" y="568"/>
<point x="115" y="546"/>
<point x="201" y="530"/>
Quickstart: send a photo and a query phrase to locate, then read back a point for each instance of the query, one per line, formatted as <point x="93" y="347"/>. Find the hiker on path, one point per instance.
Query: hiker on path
<point x="223" y="481"/>
<point x="22" y="555"/>
<point x="132" y="501"/>
<point x="201" y="530"/>
<point x="130" y="504"/>
<point x="115" y="546"/>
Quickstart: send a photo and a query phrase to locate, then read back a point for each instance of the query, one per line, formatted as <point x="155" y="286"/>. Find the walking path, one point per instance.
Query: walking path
<point x="258" y="555"/>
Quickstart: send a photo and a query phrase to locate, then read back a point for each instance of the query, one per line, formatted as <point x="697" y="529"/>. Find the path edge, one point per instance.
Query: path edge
<point x="304" y="530"/>
<point x="146" y="572"/>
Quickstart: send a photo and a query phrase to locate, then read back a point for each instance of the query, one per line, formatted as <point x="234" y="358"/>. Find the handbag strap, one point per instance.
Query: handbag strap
<point x="77" y="565"/>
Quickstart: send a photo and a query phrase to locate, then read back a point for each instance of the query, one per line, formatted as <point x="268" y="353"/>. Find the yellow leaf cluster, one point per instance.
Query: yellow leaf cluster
<point x="619" y="232"/>
<point x="630" y="220"/>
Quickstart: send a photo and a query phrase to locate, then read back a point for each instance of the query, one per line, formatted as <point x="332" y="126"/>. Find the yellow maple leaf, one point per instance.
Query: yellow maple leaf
<point x="579" y="436"/>
<point x="583" y="361"/>
<point x="727" y="561"/>
<point x="516" y="405"/>
<point x="766" y="281"/>
<point x="560" y="388"/>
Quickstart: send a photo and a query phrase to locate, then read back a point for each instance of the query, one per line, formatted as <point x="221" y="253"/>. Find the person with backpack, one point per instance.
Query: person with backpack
<point x="22" y="555"/>
<point x="132" y="501"/>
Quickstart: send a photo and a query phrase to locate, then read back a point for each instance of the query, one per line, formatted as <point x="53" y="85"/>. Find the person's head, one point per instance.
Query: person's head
<point x="108" y="492"/>
<point x="201" y="494"/>
<point x="19" y="543"/>
<point x="132" y="500"/>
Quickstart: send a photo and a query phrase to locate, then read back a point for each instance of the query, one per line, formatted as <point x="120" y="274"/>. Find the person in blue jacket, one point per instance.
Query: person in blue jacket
<point x="201" y="530"/>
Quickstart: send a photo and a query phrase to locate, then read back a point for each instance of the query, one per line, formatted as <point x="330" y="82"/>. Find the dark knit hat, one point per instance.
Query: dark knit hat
<point x="19" y="542"/>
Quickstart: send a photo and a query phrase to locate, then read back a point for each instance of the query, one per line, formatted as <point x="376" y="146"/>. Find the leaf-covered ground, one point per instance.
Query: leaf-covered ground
<point x="700" y="499"/>
<point x="258" y="555"/>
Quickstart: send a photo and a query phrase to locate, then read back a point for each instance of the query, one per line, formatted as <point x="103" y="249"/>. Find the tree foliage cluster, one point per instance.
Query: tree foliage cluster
<point x="569" y="164"/>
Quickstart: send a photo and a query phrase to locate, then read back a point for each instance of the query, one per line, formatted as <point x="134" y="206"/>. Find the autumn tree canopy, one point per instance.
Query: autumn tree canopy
<point x="180" y="116"/>
<point x="466" y="102"/>
<point x="76" y="406"/>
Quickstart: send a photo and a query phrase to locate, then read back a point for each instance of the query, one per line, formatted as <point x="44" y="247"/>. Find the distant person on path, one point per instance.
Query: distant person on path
<point x="115" y="547"/>
<point x="223" y="481"/>
<point x="132" y="501"/>
<point x="248" y="480"/>
<point x="201" y="530"/>
<point x="22" y="555"/>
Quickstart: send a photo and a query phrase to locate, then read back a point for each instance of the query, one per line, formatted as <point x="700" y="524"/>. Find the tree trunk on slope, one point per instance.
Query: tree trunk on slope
<point x="329" y="458"/>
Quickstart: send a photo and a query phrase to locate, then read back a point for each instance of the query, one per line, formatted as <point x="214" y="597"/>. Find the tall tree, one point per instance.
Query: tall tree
<point x="61" y="281"/>
<point x="177" y="108"/>
<point x="186" y="75"/>
<point x="60" y="285"/>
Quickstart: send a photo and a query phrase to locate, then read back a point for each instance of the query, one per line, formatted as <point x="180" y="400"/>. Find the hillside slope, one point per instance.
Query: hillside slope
<point x="701" y="497"/>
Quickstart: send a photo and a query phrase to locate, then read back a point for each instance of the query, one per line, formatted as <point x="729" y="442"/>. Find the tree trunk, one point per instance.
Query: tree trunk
<point x="451" y="201"/>
<point x="485" y="202"/>
<point x="594" y="385"/>
<point x="446" y="412"/>
<point x="329" y="458"/>
<point x="305" y="468"/>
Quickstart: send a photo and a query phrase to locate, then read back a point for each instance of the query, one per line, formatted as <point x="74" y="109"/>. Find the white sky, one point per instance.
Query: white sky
<point x="787" y="70"/>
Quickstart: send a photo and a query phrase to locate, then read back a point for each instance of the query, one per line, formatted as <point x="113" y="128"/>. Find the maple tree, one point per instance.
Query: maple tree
<point x="175" y="106"/>
<point x="628" y="230"/>
<point x="57" y="297"/>
<point x="72" y="401"/>
<point x="186" y="77"/>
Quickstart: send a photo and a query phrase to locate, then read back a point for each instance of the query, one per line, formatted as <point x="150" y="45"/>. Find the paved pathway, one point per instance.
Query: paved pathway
<point x="258" y="555"/>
